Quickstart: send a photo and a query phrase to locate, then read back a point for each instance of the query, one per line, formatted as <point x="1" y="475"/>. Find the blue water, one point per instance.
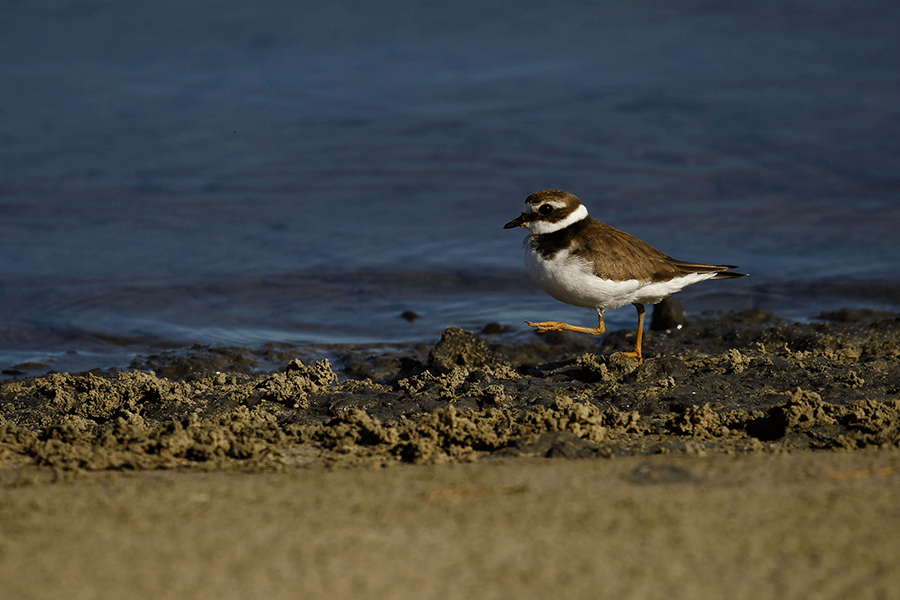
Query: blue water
<point x="208" y="172"/>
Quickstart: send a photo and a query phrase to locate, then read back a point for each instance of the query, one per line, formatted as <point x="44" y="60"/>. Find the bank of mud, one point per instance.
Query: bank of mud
<point x="740" y="383"/>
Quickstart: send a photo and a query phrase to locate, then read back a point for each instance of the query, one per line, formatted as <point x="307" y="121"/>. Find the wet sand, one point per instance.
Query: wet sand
<point x="746" y="456"/>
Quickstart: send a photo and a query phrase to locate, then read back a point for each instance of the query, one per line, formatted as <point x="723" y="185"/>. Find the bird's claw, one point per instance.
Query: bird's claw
<point x="546" y="326"/>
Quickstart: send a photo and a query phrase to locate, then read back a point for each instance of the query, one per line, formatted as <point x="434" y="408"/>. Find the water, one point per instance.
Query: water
<point x="187" y="172"/>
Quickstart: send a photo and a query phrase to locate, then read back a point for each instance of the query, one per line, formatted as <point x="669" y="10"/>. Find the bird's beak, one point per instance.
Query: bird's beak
<point x="517" y="222"/>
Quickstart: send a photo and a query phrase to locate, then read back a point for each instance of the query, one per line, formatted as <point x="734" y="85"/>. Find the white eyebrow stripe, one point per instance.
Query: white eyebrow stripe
<point x="541" y="227"/>
<point x="553" y="203"/>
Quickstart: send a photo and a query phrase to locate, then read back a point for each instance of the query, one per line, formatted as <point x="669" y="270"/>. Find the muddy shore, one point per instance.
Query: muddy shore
<point x="746" y="382"/>
<point x="725" y="417"/>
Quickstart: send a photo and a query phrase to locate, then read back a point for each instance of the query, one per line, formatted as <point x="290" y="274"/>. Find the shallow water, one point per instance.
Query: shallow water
<point x="216" y="173"/>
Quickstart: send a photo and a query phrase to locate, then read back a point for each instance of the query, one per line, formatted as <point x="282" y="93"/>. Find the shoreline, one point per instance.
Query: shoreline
<point x="745" y="456"/>
<point x="745" y="382"/>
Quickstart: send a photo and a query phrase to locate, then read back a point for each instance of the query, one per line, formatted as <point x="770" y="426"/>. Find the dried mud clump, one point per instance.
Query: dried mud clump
<point x="459" y="349"/>
<point x="742" y="383"/>
<point x="294" y="386"/>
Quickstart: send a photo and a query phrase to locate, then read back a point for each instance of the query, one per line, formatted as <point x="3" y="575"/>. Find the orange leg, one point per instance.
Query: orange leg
<point x="547" y="326"/>
<point x="640" y="335"/>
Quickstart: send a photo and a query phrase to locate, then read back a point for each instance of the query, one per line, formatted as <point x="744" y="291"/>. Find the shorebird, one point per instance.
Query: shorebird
<point x="581" y="261"/>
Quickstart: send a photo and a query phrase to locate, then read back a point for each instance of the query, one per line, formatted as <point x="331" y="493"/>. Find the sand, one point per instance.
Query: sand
<point x="746" y="457"/>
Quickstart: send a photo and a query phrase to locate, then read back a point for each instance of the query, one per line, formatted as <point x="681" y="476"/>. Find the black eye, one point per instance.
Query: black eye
<point x="545" y="209"/>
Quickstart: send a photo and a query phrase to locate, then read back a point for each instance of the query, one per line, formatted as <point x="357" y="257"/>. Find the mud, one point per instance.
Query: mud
<point x="742" y="383"/>
<point x="746" y="457"/>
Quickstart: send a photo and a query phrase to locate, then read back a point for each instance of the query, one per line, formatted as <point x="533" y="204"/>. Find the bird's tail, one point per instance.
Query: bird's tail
<point x="721" y="271"/>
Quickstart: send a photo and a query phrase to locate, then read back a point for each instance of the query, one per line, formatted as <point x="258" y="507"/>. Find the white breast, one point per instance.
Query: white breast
<point x="571" y="279"/>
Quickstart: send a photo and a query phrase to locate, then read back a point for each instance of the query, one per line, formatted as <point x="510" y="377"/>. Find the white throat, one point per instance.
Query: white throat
<point x="542" y="227"/>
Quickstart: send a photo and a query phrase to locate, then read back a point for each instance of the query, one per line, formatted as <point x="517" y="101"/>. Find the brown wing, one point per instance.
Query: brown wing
<point x="619" y="255"/>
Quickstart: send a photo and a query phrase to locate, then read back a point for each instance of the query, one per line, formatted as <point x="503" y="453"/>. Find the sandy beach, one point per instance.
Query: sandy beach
<point x="746" y="457"/>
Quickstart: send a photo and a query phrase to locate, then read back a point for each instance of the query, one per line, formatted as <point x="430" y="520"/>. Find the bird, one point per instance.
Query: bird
<point x="584" y="262"/>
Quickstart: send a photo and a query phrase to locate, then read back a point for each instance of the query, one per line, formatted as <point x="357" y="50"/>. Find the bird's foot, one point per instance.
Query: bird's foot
<point x="548" y="326"/>
<point x="633" y="354"/>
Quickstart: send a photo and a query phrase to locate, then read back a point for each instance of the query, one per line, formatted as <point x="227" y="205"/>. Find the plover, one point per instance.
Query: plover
<point x="581" y="261"/>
